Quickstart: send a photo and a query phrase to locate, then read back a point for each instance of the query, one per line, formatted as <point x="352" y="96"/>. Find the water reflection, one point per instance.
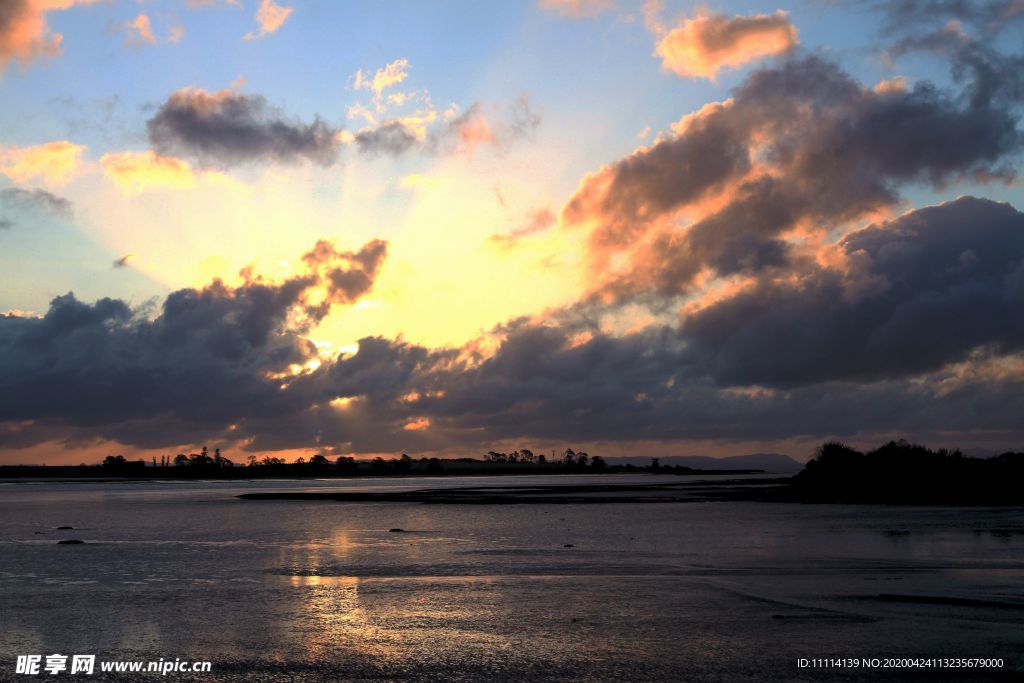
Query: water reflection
<point x="655" y="592"/>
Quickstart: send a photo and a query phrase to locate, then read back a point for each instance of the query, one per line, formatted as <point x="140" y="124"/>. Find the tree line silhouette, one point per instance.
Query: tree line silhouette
<point x="521" y="461"/>
<point x="908" y="473"/>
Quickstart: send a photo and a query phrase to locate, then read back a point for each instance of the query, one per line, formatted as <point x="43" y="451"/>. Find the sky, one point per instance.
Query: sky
<point x="655" y="228"/>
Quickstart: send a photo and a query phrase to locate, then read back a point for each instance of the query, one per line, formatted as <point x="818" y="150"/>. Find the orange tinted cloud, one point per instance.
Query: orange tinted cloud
<point x="24" y="34"/>
<point x="140" y="30"/>
<point x="707" y="43"/>
<point x="54" y="162"/>
<point x="138" y="171"/>
<point x="270" y="17"/>
<point x="417" y="425"/>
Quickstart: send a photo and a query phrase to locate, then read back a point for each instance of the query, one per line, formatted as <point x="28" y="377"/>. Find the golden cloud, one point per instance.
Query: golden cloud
<point x="138" y="171"/>
<point x="700" y="47"/>
<point x="55" y="163"/>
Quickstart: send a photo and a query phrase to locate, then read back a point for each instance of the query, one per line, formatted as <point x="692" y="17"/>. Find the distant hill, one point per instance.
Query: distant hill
<point x="769" y="462"/>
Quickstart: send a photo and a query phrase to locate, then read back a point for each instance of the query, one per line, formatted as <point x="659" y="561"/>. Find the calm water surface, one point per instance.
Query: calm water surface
<point x="296" y="591"/>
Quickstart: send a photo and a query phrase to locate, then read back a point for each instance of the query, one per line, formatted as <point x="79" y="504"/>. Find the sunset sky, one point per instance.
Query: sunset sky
<point x="444" y="228"/>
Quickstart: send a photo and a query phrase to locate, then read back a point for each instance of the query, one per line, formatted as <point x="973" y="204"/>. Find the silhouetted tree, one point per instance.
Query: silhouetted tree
<point x="114" y="462"/>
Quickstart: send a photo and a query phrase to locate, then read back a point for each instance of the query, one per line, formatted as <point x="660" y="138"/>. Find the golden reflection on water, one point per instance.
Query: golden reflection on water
<point x="338" y="618"/>
<point x="385" y="617"/>
<point x="332" y="615"/>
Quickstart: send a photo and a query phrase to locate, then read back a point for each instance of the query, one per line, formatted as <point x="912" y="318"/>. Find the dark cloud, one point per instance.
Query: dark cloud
<point x="625" y="196"/>
<point x="211" y="357"/>
<point x="801" y="145"/>
<point x="123" y="261"/>
<point x="393" y="138"/>
<point x="228" y="128"/>
<point x="922" y="291"/>
<point x="916" y="333"/>
<point x="37" y="199"/>
<point x="346" y="275"/>
<point x="542" y="386"/>
<point x="919" y="16"/>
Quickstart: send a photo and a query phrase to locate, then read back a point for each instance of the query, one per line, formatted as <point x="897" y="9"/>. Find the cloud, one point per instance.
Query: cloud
<point x="138" y="171"/>
<point x="210" y="357"/>
<point x="175" y="34"/>
<point x="346" y="276"/>
<point x="702" y="46"/>
<point x="912" y="295"/>
<point x="923" y="16"/>
<point x="769" y="289"/>
<point x="38" y="199"/>
<point x="386" y="77"/>
<point x="6" y="224"/>
<point x="24" y="33"/>
<point x="914" y="331"/>
<point x="393" y="138"/>
<point x="542" y="385"/>
<point x="429" y="133"/>
<point x="537" y="222"/>
<point x="576" y="8"/>
<point x="54" y="163"/>
<point x="269" y="17"/>
<point x="139" y="31"/>
<point x="799" y="150"/>
<point x="227" y="128"/>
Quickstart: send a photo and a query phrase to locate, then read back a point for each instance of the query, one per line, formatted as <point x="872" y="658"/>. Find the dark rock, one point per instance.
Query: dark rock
<point x="396" y="530"/>
<point x="70" y="541"/>
<point x="568" y="545"/>
<point x="62" y="528"/>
